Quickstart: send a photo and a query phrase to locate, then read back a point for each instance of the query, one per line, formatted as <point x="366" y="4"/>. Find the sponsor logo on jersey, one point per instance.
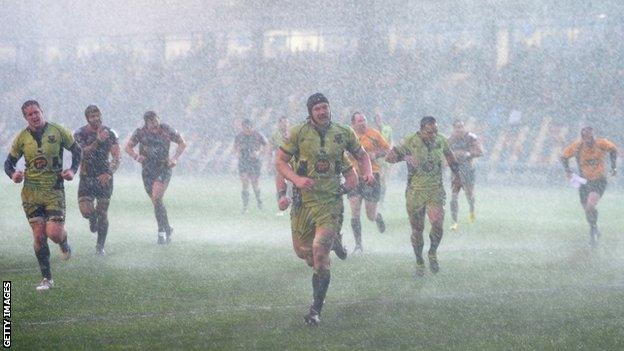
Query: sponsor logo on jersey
<point x="592" y="162"/>
<point x="428" y="166"/>
<point x="322" y="166"/>
<point x="40" y="162"/>
<point x="338" y="139"/>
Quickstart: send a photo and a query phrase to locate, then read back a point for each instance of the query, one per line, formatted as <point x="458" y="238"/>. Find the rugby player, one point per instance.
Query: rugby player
<point x="465" y="147"/>
<point x="303" y="249"/>
<point x="98" y="142"/>
<point x="377" y="147"/>
<point x="424" y="153"/>
<point x="589" y="153"/>
<point x="318" y="145"/>
<point x="249" y="144"/>
<point x="43" y="194"/>
<point x="154" y="140"/>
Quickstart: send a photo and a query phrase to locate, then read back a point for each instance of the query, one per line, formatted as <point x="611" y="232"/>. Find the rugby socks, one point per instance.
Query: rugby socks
<point x="43" y="257"/>
<point x="102" y="230"/>
<point x="435" y="235"/>
<point x="245" y="197"/>
<point x="92" y="222"/>
<point x="471" y="203"/>
<point x="417" y="240"/>
<point x="258" y="199"/>
<point x="63" y="244"/>
<point x="592" y="217"/>
<point x="161" y="216"/>
<point x="455" y="207"/>
<point x="418" y="249"/>
<point x="356" y="225"/>
<point x="320" y="284"/>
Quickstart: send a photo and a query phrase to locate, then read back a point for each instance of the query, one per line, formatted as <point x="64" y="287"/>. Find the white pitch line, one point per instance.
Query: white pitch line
<point x="233" y="308"/>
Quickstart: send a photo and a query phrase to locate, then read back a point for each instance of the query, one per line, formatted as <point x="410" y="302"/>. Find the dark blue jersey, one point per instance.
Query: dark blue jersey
<point x="97" y="162"/>
<point x="154" y="146"/>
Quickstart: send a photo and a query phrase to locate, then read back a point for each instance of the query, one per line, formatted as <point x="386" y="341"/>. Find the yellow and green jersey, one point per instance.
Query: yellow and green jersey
<point x="320" y="156"/>
<point x="429" y="157"/>
<point x="277" y="139"/>
<point x="43" y="153"/>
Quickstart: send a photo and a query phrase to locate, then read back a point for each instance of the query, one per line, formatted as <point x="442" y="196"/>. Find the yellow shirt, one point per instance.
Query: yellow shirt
<point x="373" y="142"/>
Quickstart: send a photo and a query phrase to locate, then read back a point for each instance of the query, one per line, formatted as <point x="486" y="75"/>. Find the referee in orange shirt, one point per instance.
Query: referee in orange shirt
<point x="590" y="153"/>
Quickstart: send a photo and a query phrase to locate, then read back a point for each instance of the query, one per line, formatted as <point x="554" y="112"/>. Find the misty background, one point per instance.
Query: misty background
<point x="525" y="75"/>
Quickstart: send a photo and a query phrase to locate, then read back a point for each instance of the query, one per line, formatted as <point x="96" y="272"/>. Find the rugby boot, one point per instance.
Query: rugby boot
<point x="162" y="238"/>
<point x="99" y="250"/>
<point x="168" y="235"/>
<point x="472" y="217"/>
<point x="434" y="266"/>
<point x="594" y="235"/>
<point x="358" y="250"/>
<point x="45" y="285"/>
<point x="312" y="319"/>
<point x="420" y="269"/>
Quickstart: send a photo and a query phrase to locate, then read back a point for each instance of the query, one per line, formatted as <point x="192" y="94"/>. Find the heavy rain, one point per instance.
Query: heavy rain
<point x="176" y="181"/>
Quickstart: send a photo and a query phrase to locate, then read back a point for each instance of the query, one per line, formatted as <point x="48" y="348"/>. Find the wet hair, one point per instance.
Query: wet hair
<point x="91" y="109"/>
<point x="427" y="120"/>
<point x="355" y="114"/>
<point x="314" y="99"/>
<point x="150" y="115"/>
<point x="587" y="129"/>
<point x="28" y="103"/>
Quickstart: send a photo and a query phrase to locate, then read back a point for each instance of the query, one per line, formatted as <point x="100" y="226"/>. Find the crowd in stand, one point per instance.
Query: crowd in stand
<point x="523" y="110"/>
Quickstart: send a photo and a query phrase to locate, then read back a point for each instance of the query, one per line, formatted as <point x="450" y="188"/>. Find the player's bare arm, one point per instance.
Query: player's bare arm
<point x="452" y="162"/>
<point x="281" y="166"/>
<point x="566" y="166"/>
<point x="378" y="153"/>
<point x="282" y="198"/>
<point x="351" y="179"/>
<point x="130" y="151"/>
<point x="393" y="156"/>
<point x="476" y="149"/>
<point x="364" y="165"/>
<point x="116" y="157"/>
<point x="382" y="149"/>
<point x="115" y="151"/>
<point x="179" y="150"/>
